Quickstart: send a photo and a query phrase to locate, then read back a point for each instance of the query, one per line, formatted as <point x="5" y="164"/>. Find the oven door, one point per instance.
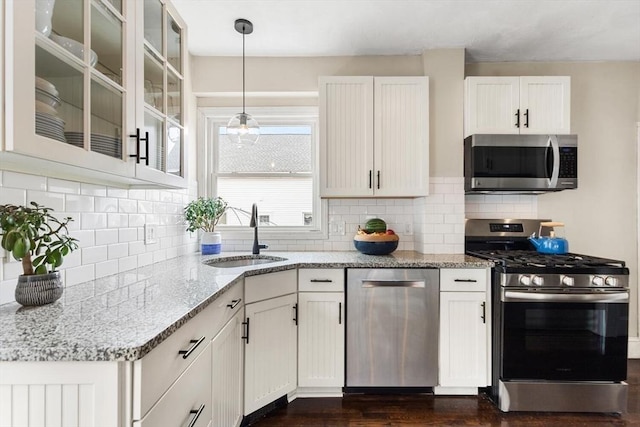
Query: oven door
<point x="564" y="336"/>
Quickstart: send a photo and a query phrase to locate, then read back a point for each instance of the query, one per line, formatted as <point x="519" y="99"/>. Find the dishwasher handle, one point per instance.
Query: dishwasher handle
<point x="393" y="283"/>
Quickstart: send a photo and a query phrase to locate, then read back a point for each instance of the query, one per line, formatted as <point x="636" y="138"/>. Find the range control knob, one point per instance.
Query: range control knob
<point x="611" y="281"/>
<point x="525" y="280"/>
<point x="597" y="281"/>
<point x="567" y="280"/>
<point x="537" y="280"/>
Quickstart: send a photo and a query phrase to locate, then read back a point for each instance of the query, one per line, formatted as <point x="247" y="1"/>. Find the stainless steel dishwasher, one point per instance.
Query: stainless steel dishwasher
<point x="392" y="328"/>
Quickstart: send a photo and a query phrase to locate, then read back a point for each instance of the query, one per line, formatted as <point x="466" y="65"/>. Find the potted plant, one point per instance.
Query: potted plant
<point x="40" y="241"/>
<point x="204" y="214"/>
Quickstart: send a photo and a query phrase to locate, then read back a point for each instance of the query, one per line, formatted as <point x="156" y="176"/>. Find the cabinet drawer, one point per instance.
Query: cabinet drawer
<point x="270" y="285"/>
<point x="464" y="279"/>
<point x="184" y="399"/>
<point x="155" y="372"/>
<point x="226" y="306"/>
<point x="321" y="280"/>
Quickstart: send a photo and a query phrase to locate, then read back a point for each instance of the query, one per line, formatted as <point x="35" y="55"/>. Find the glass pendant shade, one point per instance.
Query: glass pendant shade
<point x="243" y="130"/>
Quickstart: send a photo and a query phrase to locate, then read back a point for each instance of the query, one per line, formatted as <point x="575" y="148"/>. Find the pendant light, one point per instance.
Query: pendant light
<point x="242" y="129"/>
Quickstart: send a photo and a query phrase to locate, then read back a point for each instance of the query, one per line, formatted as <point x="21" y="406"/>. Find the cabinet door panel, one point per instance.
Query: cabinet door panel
<point x="346" y="136"/>
<point x="321" y="339"/>
<point x="270" y="354"/>
<point x="546" y="101"/>
<point x="463" y="339"/>
<point x="227" y="381"/>
<point x="491" y="105"/>
<point x="401" y="146"/>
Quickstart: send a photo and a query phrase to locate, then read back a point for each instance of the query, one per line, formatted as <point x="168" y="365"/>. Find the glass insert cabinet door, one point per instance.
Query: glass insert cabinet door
<point x="79" y="66"/>
<point x="163" y="86"/>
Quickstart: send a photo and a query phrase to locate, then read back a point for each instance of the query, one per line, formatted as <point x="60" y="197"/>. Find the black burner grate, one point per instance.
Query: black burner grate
<point x="520" y="258"/>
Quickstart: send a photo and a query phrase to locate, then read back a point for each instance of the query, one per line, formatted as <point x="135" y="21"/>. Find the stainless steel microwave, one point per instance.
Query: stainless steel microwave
<point x="520" y="163"/>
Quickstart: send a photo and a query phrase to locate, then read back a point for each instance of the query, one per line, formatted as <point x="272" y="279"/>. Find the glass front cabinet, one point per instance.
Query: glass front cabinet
<point x="95" y="90"/>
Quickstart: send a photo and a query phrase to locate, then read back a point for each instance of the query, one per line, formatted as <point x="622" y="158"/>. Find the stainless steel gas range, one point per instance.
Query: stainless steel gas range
<point x="560" y="322"/>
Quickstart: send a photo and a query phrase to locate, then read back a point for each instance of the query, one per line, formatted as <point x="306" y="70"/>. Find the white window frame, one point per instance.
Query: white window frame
<point x="212" y="118"/>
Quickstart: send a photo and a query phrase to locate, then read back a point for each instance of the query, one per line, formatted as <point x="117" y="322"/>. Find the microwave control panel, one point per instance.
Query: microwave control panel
<point x="568" y="162"/>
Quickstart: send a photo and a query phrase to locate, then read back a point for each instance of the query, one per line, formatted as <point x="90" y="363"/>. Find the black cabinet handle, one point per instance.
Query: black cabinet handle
<point x="295" y="314"/>
<point x="146" y="141"/>
<point x="465" y="280"/>
<point x="484" y="312"/>
<point x="321" y="281"/>
<point x="339" y="313"/>
<point x="194" y="343"/>
<point x="526" y="118"/>
<point x="197" y="413"/>
<point x="234" y="303"/>
<point x="518" y="118"/>
<point x="378" y="180"/>
<point x="370" y="178"/>
<point x="246" y="335"/>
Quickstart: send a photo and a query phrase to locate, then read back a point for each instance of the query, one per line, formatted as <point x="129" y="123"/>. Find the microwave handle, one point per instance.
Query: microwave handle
<point x="555" y="152"/>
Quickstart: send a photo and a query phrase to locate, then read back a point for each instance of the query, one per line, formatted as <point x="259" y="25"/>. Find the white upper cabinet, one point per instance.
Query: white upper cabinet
<point x="374" y="136"/>
<point x="517" y="105"/>
<point x="74" y="93"/>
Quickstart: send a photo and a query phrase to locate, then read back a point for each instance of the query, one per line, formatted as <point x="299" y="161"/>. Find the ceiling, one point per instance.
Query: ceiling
<point x="489" y="30"/>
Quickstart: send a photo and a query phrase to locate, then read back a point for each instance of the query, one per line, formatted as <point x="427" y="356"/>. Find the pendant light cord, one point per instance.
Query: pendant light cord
<point x="243" y="71"/>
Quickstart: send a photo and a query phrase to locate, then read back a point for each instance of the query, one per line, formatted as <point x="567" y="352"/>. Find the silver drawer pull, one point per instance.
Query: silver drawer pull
<point x="321" y="281"/>
<point x="197" y="413"/>
<point x="393" y="283"/>
<point x="465" y="280"/>
<point x="234" y="303"/>
<point x="194" y="343"/>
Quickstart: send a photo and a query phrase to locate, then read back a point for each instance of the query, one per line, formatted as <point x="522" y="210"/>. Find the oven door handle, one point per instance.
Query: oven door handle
<point x="523" y="296"/>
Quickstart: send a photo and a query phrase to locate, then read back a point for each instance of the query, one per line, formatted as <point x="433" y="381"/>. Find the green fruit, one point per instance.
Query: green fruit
<point x="375" y="225"/>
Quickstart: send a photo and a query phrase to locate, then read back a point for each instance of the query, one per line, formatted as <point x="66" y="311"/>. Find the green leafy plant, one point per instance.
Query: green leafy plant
<point x="35" y="237"/>
<point x="204" y="213"/>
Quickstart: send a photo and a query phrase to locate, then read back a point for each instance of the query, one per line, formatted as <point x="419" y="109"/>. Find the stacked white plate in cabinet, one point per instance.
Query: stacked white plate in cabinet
<point x="103" y="144"/>
<point x="48" y="123"/>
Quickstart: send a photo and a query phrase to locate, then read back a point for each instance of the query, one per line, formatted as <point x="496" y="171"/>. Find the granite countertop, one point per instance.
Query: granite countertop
<point x="124" y="316"/>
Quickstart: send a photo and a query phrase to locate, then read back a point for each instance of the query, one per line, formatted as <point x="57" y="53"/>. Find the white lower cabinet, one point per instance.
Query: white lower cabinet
<point x="187" y="402"/>
<point x="270" y="351"/>
<point x="321" y="332"/>
<point x="227" y="380"/>
<point x="270" y="362"/>
<point x="464" y="347"/>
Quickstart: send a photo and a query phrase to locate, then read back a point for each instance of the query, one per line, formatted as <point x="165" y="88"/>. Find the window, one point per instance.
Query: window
<point x="279" y="173"/>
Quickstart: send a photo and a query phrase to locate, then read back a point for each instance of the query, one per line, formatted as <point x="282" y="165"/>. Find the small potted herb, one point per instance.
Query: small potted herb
<point x="40" y="241"/>
<point x="203" y="214"/>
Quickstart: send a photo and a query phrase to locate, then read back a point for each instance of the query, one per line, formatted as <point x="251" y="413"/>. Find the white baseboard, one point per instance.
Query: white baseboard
<point x="634" y="348"/>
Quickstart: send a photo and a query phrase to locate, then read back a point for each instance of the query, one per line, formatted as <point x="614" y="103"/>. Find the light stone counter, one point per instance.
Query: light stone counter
<point x="124" y="316"/>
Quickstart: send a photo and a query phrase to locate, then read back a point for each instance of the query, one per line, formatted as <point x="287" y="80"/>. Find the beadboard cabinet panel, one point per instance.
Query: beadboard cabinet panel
<point x="346" y="136"/>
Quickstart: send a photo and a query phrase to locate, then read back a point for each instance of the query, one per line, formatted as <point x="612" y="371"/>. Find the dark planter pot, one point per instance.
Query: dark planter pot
<point x="39" y="289"/>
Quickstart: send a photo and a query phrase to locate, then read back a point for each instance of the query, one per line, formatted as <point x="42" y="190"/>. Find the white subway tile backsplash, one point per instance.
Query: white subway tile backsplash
<point x="94" y="254"/>
<point x="63" y="186"/>
<point x="102" y="251"/>
<point x="24" y="181"/>
<point x="93" y="221"/>
<point x="106" y="204"/>
<point x="117" y="250"/>
<point x="79" y="274"/>
<point x="77" y="203"/>
<point x="93" y="190"/>
<point x="117" y="220"/>
<point x="12" y="196"/>
<point x="54" y="201"/>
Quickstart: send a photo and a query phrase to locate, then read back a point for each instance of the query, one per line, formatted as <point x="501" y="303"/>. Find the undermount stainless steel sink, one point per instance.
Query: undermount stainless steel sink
<point x="242" y="261"/>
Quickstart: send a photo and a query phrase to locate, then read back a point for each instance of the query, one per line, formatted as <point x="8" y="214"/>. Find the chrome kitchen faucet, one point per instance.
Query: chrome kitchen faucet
<point x="254" y="223"/>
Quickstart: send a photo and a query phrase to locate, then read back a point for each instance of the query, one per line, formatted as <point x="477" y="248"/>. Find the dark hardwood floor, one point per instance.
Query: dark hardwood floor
<point x="428" y="410"/>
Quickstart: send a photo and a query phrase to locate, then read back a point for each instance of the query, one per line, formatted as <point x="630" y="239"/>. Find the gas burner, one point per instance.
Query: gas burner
<point x="522" y="258"/>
